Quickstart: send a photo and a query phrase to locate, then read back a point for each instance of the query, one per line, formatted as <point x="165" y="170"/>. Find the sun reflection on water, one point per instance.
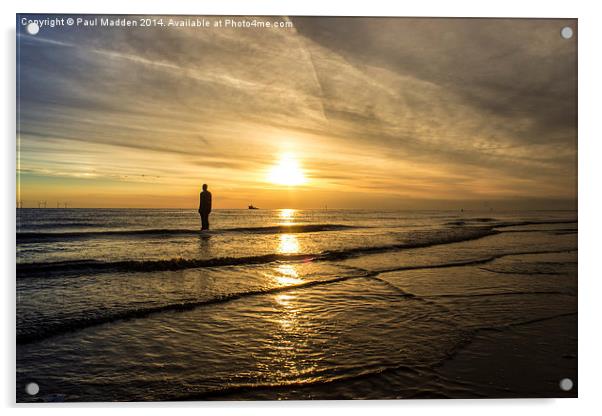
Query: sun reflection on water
<point x="287" y="275"/>
<point x="287" y="357"/>
<point x="288" y="244"/>
<point x="287" y="216"/>
<point x="284" y="300"/>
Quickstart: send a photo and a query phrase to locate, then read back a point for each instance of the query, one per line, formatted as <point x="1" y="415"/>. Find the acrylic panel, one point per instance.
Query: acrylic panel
<point x="267" y="208"/>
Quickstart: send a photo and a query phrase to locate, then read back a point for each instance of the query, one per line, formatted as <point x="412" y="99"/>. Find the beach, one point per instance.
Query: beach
<point x="138" y="305"/>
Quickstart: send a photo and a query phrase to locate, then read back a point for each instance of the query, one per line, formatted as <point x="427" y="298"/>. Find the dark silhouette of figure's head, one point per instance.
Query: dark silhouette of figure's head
<point x="204" y="187"/>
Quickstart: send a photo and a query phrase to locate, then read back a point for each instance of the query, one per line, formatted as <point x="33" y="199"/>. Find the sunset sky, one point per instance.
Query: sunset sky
<point x="345" y="112"/>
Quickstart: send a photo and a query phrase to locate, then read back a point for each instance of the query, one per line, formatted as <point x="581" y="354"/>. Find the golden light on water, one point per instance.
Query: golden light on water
<point x="287" y="270"/>
<point x="288" y="244"/>
<point x="287" y="171"/>
<point x="287" y="275"/>
<point x="284" y="300"/>
<point x="287" y="216"/>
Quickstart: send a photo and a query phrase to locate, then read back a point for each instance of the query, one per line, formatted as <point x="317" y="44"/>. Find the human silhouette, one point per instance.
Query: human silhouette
<point x="205" y="207"/>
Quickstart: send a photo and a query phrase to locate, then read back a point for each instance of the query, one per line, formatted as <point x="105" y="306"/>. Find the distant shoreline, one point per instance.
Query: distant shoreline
<point x="311" y="209"/>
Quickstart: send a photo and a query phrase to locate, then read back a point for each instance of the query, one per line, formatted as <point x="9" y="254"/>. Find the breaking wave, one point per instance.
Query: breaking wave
<point x="70" y="267"/>
<point x="43" y="237"/>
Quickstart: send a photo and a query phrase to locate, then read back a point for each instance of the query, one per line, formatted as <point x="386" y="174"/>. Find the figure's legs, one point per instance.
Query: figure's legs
<point x="204" y="221"/>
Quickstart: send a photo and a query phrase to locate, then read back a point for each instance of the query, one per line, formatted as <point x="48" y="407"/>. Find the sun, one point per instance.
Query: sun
<point x="287" y="171"/>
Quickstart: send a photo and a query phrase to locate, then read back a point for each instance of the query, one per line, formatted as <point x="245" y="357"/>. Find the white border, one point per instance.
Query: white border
<point x="590" y="208"/>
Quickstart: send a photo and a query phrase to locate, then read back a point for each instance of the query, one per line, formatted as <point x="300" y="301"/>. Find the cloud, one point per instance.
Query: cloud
<point x="446" y="108"/>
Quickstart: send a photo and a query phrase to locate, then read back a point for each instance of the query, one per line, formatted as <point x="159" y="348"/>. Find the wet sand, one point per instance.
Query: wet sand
<point x="520" y="361"/>
<point x="425" y="306"/>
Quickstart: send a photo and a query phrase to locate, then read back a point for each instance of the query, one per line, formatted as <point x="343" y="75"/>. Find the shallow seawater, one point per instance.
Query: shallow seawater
<point x="118" y="305"/>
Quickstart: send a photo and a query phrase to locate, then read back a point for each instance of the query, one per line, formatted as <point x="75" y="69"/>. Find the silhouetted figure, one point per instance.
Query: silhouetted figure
<point x="205" y="207"/>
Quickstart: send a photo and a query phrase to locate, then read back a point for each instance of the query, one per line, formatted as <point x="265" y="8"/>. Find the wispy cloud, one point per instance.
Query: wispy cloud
<point x="411" y="108"/>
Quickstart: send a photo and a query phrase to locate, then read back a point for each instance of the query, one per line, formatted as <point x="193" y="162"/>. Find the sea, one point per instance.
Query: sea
<point x="140" y="305"/>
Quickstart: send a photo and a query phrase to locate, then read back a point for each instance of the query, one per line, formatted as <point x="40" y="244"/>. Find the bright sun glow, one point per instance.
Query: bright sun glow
<point x="287" y="172"/>
<point x="287" y="216"/>
<point x="287" y="275"/>
<point x="288" y="244"/>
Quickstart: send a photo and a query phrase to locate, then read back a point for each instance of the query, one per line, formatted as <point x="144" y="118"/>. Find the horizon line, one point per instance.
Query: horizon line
<point x="303" y="209"/>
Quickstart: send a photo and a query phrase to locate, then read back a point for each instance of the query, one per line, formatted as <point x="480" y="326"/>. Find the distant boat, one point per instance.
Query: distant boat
<point x="252" y="207"/>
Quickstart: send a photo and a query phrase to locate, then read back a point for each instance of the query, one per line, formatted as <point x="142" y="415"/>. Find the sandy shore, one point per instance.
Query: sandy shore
<point x="526" y="360"/>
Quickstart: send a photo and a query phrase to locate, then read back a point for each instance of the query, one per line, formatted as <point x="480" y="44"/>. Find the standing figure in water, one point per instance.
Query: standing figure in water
<point x="205" y="207"/>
